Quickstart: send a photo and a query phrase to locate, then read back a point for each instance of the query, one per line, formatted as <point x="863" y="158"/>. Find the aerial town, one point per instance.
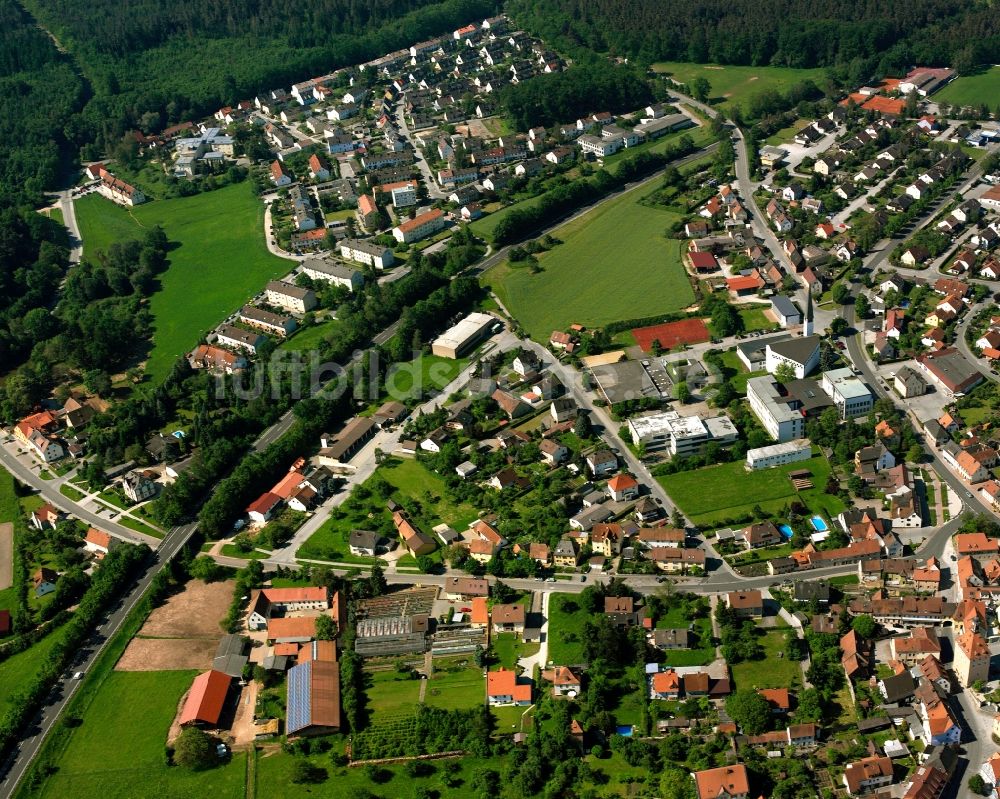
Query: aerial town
<point x="681" y="485"/>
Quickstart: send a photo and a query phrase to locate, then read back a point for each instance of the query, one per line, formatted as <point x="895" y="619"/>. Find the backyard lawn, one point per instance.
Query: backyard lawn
<point x="412" y="481"/>
<point x="701" y="655"/>
<point x="774" y="671"/>
<point x="712" y="495"/>
<point x="566" y="622"/>
<point x="736" y="372"/>
<point x="732" y="85"/>
<point x="615" y="263"/>
<point x="972" y="89"/>
<point x="509" y="648"/>
<point x="459" y="689"/>
<point x="391" y="694"/>
<point x="219" y="262"/>
<point x="117" y="750"/>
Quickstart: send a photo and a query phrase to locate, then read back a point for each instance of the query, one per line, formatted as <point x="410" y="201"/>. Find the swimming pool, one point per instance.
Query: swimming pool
<point x="818" y="524"/>
<point x="625" y="731"/>
<point x="785" y="530"/>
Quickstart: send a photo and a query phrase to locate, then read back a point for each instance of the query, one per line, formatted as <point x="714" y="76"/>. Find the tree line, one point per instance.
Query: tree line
<point x="889" y="36"/>
<point x="562" y="97"/>
<point x="110" y="578"/>
<point x="555" y="203"/>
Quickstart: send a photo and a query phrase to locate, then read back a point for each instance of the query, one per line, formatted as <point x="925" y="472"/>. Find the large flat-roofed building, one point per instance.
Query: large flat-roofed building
<point x="680" y="435"/>
<point x="366" y="252"/>
<point x="799" y="449"/>
<point x="313" y="698"/>
<point x="801" y="354"/>
<point x="772" y="409"/>
<point x="849" y="394"/>
<point x="466" y="334"/>
<point x="631" y="380"/>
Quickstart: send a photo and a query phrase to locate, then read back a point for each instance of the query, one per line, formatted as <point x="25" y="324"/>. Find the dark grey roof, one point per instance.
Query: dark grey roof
<point x="898" y="687"/>
<point x="799" y="350"/>
<point x="784" y="306"/>
<point x="808" y="590"/>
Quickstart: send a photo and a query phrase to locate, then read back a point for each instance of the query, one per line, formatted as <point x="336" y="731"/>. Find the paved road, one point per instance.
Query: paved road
<point x="69" y="219"/>
<point x="49" y="491"/>
<point x="434" y="191"/>
<point x="13" y="769"/>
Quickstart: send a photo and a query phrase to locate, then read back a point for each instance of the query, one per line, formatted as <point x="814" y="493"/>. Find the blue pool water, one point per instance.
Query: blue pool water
<point x="625" y="731"/>
<point x="785" y="530"/>
<point x="818" y="524"/>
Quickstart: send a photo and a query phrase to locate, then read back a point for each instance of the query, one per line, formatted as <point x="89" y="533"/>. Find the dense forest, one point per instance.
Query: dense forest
<point x="889" y="35"/>
<point x="153" y="63"/>
<point x="562" y="97"/>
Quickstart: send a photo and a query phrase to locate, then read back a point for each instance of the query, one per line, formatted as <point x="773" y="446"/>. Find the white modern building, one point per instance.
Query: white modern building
<point x="289" y="296"/>
<point x="849" y="394"/>
<point x="802" y="354"/>
<point x="799" y="449"/>
<point x="771" y="408"/>
<point x="680" y="435"/>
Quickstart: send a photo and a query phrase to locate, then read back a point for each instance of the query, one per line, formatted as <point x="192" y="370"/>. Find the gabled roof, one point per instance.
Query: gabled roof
<point x="206" y="698"/>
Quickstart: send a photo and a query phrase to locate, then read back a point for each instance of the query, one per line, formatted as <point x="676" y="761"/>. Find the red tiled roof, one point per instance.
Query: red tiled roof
<point x="206" y="698"/>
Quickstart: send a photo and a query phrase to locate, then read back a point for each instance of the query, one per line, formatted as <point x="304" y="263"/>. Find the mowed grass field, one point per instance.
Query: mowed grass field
<point x="615" y="263"/>
<point x="566" y="629"/>
<point x="117" y="752"/>
<point x="733" y="85"/>
<point x="773" y="671"/>
<point x="711" y="495"/>
<point x="972" y="89"/>
<point x="220" y="261"/>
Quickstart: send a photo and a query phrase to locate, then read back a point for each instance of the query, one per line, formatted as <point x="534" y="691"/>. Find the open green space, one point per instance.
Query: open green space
<point x="414" y="480"/>
<point x="727" y="490"/>
<point x="509" y="649"/>
<point x="734" y="85"/>
<point x="786" y="134"/>
<point x="700" y="655"/>
<point x="19" y="671"/>
<point x="972" y="90"/>
<point x="391" y="694"/>
<point x="309" y="338"/>
<point x="615" y="263"/>
<point x="219" y="260"/>
<point x="118" y="748"/>
<point x="566" y="622"/>
<point x="139" y="527"/>
<point x="427" y="373"/>
<point x="735" y="371"/>
<point x="774" y="671"/>
<point x="455" y="690"/>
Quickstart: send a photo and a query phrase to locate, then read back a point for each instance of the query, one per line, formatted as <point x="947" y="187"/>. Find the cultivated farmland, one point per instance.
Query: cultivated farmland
<point x="221" y="260"/>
